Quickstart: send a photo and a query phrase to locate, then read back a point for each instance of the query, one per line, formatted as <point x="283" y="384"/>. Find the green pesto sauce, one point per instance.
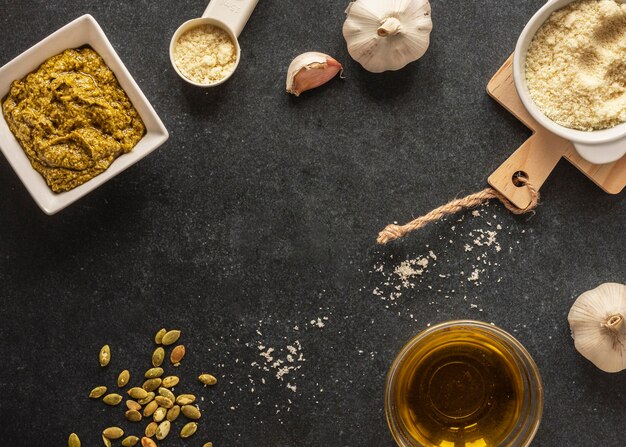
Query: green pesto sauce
<point x="72" y="118"/>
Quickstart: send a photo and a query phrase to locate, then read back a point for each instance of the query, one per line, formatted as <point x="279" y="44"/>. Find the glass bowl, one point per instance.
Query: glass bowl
<point x="408" y="428"/>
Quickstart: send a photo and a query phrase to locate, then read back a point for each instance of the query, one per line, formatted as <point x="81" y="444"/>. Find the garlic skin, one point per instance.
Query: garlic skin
<point x="598" y="327"/>
<point x="310" y="70"/>
<point x="387" y="35"/>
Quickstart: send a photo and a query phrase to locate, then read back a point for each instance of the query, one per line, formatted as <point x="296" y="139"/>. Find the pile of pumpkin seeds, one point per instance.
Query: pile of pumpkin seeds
<point x="153" y="401"/>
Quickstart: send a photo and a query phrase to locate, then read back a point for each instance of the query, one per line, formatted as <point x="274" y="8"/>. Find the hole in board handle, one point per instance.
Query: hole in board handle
<point x="519" y="179"/>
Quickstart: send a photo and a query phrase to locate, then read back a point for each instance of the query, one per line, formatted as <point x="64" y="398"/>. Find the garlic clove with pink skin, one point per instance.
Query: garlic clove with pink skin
<point x="310" y="70"/>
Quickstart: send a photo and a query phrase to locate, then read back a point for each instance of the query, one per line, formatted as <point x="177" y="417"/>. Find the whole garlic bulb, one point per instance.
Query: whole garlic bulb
<point x="598" y="328"/>
<point x="387" y="34"/>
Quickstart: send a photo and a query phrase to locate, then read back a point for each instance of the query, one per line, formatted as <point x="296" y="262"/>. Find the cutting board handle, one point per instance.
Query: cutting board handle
<point x="531" y="160"/>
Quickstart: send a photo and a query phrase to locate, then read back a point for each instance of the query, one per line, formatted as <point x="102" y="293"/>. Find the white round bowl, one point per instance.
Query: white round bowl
<point x="598" y="147"/>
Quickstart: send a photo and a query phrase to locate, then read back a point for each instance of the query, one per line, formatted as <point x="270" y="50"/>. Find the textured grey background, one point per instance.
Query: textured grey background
<point x="260" y="215"/>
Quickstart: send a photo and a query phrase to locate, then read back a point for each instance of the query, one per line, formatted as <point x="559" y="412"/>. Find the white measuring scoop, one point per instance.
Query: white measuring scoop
<point x="229" y="15"/>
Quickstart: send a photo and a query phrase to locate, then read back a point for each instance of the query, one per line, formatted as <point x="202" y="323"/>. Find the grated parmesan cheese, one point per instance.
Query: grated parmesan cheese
<point x="576" y="65"/>
<point x="205" y="54"/>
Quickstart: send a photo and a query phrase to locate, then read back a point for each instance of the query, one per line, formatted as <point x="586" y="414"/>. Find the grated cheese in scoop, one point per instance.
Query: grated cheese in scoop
<point x="205" y="54"/>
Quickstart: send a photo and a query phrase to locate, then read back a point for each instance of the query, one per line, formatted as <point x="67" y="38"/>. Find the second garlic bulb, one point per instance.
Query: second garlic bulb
<point x="387" y="34"/>
<point x="598" y="327"/>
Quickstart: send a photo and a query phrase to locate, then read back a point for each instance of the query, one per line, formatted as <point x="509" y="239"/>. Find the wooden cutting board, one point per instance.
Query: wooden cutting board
<point x="539" y="155"/>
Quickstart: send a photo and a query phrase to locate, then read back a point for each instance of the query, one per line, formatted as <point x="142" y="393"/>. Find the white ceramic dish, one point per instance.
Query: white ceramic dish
<point x="598" y="147"/>
<point x="82" y="31"/>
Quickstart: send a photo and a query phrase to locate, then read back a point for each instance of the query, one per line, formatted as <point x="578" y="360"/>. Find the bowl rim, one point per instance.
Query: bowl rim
<point x="86" y="30"/>
<point x="521" y="354"/>
<point x="612" y="141"/>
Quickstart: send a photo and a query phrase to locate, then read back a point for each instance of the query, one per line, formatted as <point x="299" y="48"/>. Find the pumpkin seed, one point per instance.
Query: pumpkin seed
<point x="167" y="393"/>
<point x="130" y="441"/>
<point x="151" y="429"/>
<point x="170" y="381"/>
<point x="164" y="402"/>
<point x="185" y="399"/>
<point x="132" y="405"/>
<point x="123" y="378"/>
<point x="173" y="413"/>
<point x="147" y="399"/>
<point x="158" y="356"/>
<point x="191" y="412"/>
<point x="137" y="393"/>
<point x="207" y="379"/>
<point x="106" y="441"/>
<point x="150" y="409"/>
<point x="151" y="384"/>
<point x="147" y="442"/>
<point x="105" y="356"/>
<point x="153" y="373"/>
<point x="112" y="399"/>
<point x="133" y="415"/>
<point x="158" y="338"/>
<point x="159" y="414"/>
<point x="208" y="444"/>
<point x="188" y="430"/>
<point x="163" y="430"/>
<point x="98" y="392"/>
<point x="73" y="440"/>
<point x="113" y="433"/>
<point x="170" y="337"/>
<point x="177" y="354"/>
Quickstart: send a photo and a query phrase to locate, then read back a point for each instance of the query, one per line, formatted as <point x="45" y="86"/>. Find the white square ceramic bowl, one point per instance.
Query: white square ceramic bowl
<point x="82" y="31"/>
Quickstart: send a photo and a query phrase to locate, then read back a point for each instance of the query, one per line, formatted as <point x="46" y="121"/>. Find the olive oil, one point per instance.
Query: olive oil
<point x="459" y="388"/>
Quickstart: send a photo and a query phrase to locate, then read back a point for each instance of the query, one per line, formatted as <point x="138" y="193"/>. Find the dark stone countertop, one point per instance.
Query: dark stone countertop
<point x="259" y="216"/>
